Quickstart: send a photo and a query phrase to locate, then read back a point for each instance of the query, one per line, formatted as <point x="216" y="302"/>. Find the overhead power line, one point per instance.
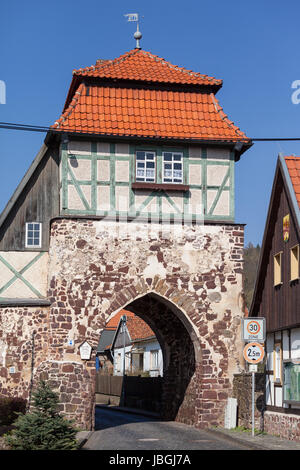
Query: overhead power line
<point x="33" y="128"/>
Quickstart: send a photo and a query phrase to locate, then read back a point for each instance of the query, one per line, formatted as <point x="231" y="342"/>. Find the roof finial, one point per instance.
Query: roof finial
<point x="137" y="35"/>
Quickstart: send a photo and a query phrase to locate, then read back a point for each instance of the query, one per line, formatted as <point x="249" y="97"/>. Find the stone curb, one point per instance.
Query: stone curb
<point x="245" y="442"/>
<point x="82" y="437"/>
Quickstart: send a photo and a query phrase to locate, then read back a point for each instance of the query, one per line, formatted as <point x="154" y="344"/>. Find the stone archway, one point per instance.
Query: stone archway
<point x="181" y="356"/>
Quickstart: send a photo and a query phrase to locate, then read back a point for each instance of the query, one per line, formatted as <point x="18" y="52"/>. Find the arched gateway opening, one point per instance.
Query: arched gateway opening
<point x="181" y="355"/>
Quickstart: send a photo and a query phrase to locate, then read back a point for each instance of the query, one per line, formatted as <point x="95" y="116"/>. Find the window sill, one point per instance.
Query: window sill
<point x="161" y="186"/>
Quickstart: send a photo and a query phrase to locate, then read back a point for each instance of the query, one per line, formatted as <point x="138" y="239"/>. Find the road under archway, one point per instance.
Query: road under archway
<point x="180" y="355"/>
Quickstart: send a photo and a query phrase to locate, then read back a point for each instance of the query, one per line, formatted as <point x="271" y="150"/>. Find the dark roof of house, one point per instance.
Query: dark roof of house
<point x="106" y="338"/>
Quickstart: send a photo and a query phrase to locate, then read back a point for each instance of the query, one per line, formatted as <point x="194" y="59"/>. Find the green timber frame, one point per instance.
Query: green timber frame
<point x="136" y="208"/>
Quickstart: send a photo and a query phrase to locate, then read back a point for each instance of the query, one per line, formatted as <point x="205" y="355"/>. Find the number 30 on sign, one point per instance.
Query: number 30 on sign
<point x="254" y="353"/>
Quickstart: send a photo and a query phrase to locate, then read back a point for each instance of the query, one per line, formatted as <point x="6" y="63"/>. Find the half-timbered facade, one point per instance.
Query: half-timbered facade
<point x="129" y="204"/>
<point x="277" y="298"/>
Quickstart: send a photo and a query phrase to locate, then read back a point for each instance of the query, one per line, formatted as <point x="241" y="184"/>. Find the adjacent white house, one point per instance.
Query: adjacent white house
<point x="142" y="351"/>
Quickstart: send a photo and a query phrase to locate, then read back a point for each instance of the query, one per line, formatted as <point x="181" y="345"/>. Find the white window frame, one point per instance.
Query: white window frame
<point x="171" y="178"/>
<point x="27" y="245"/>
<point x="144" y="178"/>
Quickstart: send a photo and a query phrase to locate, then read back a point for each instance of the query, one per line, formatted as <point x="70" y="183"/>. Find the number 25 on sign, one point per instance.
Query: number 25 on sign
<point x="254" y="353"/>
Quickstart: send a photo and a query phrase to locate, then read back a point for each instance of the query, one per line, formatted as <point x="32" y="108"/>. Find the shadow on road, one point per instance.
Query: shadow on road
<point x="112" y="416"/>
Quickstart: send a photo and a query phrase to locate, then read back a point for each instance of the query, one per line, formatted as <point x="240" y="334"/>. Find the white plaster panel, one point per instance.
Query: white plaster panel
<point x="80" y="168"/>
<point x="269" y="391"/>
<point x="195" y="202"/>
<point x="270" y="349"/>
<point x="103" y="170"/>
<point x="218" y="153"/>
<point x="285" y="345"/>
<point x="295" y="343"/>
<point x="36" y="274"/>
<point x="141" y="197"/>
<point x="122" y="171"/>
<point x="211" y="195"/>
<point x="122" y="198"/>
<point x="103" y="148"/>
<point x="18" y="290"/>
<point x="103" y="198"/>
<point x="195" y="152"/>
<point x="122" y="149"/>
<point x="195" y="174"/>
<point x="177" y="200"/>
<point x="79" y="147"/>
<point x="216" y="174"/>
<point x="278" y="396"/>
<point x="222" y="207"/>
<point x="74" y="200"/>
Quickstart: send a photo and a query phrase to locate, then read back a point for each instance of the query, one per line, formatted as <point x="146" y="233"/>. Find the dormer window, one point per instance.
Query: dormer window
<point x="33" y="235"/>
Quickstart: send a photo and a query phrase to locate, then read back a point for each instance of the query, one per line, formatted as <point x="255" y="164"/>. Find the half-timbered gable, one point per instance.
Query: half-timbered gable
<point x="277" y="298"/>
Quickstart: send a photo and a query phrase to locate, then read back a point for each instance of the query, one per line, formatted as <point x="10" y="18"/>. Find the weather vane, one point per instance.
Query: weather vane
<point x="137" y="35"/>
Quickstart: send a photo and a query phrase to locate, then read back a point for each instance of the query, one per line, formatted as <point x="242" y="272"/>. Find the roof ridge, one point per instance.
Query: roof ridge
<point x="105" y="62"/>
<point x="71" y="106"/>
<point x="102" y="64"/>
<point x="180" y="69"/>
<point x="225" y="117"/>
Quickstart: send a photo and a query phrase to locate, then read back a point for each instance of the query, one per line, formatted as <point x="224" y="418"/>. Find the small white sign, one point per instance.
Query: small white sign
<point x="252" y="367"/>
<point x="253" y="329"/>
<point x="85" y="351"/>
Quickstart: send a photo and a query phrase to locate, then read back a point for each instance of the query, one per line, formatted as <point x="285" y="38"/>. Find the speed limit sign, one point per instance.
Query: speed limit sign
<point x="253" y="329"/>
<point x="254" y="353"/>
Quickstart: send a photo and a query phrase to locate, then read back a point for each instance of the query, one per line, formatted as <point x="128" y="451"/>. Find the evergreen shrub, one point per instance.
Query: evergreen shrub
<point x="43" y="428"/>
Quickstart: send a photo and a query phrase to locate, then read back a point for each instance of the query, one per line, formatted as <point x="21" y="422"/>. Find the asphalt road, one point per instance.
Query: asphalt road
<point x="116" y="430"/>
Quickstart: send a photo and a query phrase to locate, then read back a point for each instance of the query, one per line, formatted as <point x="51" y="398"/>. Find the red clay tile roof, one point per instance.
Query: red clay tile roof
<point x="114" y="321"/>
<point x="148" y="113"/>
<point x="141" y="65"/>
<point x="293" y="166"/>
<point x="139" y="110"/>
<point x="138" y="329"/>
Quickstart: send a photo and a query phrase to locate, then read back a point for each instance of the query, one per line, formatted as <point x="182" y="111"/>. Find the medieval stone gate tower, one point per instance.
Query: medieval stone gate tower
<point x="128" y="204"/>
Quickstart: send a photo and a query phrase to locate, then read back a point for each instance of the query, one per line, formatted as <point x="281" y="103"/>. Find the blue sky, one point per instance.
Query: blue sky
<point x="253" y="46"/>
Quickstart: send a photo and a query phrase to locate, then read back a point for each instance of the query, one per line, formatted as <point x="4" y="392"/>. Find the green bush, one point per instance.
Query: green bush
<point x="43" y="428"/>
<point x="9" y="407"/>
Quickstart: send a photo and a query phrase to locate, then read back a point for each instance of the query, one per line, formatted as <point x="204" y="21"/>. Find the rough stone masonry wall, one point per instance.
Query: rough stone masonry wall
<point x="285" y="425"/>
<point x="242" y="391"/>
<point x="98" y="267"/>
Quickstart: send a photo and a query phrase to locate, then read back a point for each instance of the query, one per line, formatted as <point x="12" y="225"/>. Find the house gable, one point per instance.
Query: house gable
<point x="278" y="303"/>
<point x="35" y="200"/>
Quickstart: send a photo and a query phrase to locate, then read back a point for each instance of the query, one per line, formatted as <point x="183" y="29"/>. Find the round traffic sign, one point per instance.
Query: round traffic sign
<point x="253" y="327"/>
<point x="254" y="353"/>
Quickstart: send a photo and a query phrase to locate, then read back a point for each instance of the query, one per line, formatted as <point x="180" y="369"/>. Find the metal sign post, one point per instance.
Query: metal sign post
<point x="253" y="329"/>
<point x="253" y="400"/>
